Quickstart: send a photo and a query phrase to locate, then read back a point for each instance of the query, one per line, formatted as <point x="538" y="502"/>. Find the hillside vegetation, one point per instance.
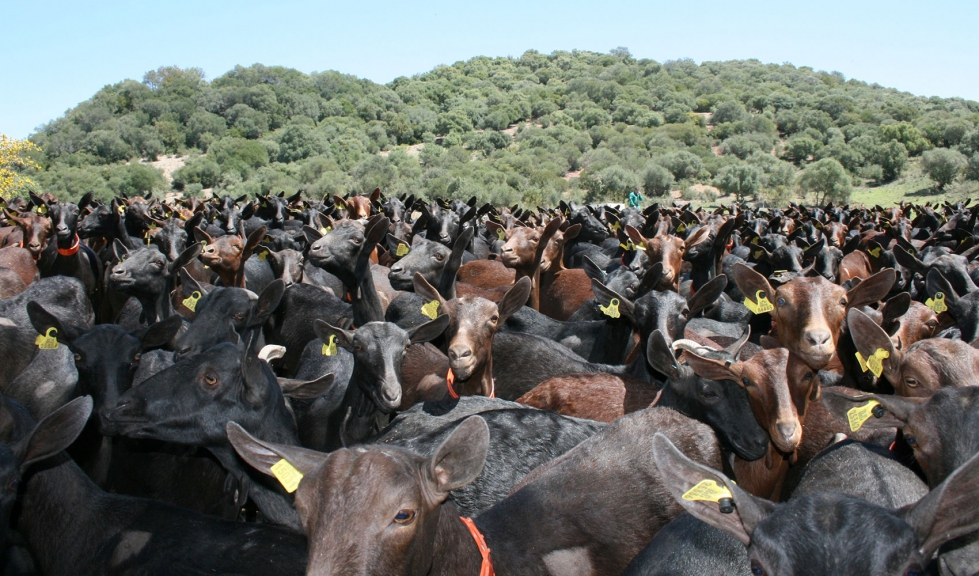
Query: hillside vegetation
<point x="532" y="130"/>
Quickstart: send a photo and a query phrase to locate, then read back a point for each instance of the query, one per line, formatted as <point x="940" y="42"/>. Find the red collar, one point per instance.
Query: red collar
<point x="450" y="378"/>
<point x="70" y="251"/>
<point x="487" y="567"/>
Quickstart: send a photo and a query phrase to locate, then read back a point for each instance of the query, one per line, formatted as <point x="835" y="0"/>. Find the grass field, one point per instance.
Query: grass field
<point x="915" y="187"/>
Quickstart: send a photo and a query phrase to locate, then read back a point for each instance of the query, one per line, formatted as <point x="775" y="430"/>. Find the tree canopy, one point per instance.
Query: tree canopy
<point x="507" y="130"/>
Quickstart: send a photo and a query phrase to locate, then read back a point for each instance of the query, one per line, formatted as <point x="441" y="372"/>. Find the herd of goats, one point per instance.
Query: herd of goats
<point x="381" y="385"/>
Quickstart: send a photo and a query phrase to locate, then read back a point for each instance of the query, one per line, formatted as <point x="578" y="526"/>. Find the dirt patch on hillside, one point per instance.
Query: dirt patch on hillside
<point x="169" y="165"/>
<point x="572" y="175"/>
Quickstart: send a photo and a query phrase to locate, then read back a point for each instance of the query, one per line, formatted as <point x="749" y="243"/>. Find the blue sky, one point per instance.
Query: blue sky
<point x="59" y="53"/>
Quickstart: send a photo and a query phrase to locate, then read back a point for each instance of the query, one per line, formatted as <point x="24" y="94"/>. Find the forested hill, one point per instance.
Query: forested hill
<point x="532" y="129"/>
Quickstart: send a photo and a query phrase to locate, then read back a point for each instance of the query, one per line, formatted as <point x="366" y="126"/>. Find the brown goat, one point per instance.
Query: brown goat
<point x="669" y="250"/>
<point x="358" y="207"/>
<point x="563" y="290"/>
<point x="524" y="250"/>
<point x="227" y="255"/>
<point x="20" y="261"/>
<point x="36" y="231"/>
<point x="920" y="369"/>
<point x="808" y="313"/>
<point x="474" y="322"/>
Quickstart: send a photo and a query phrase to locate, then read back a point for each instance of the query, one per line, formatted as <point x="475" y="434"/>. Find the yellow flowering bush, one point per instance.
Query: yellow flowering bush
<point x="13" y="159"/>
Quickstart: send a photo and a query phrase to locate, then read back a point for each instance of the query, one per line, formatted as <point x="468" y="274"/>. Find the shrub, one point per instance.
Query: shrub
<point x="656" y="180"/>
<point x="827" y="181"/>
<point x="942" y="165"/>
<point x="739" y="179"/>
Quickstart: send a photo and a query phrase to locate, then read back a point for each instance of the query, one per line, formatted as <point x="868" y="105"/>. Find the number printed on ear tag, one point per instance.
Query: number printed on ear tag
<point x="937" y="304"/>
<point x="875" y="252"/>
<point x="612" y="310"/>
<point x="876" y="361"/>
<point x="191" y="302"/>
<point x="48" y="341"/>
<point x="330" y="348"/>
<point x="287" y="475"/>
<point x="501" y="234"/>
<point x="707" y="491"/>
<point x="402" y="250"/>
<point x="431" y="309"/>
<point x="857" y="416"/>
<point x="760" y="305"/>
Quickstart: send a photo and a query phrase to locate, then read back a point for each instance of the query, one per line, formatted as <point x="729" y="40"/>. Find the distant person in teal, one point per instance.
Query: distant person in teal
<point x="634" y="199"/>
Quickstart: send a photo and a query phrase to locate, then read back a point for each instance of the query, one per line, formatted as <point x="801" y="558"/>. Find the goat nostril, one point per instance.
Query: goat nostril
<point x="817" y="337"/>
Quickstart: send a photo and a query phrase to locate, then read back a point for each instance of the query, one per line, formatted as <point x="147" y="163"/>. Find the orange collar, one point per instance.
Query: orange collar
<point x="70" y="251"/>
<point x="487" y="567"/>
<point x="450" y="379"/>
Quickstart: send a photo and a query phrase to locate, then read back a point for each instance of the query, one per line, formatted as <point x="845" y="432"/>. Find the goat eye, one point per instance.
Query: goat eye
<point x="843" y="302"/>
<point x="439" y="256"/>
<point x="137" y="356"/>
<point x="495" y="319"/>
<point x="911" y="382"/>
<point x="807" y="376"/>
<point x="910" y="440"/>
<point x="14" y="485"/>
<point x="210" y="380"/>
<point x="757" y="569"/>
<point x="78" y="357"/>
<point x="780" y="301"/>
<point x="404" y="517"/>
<point x="239" y="316"/>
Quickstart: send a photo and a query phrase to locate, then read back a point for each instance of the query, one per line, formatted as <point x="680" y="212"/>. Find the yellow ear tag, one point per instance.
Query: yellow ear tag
<point x="862" y="361"/>
<point x="501" y="234"/>
<point x="263" y="255"/>
<point x="875" y="252"/>
<point x="761" y="306"/>
<point x="876" y="361"/>
<point x="707" y="491"/>
<point x="755" y="241"/>
<point x="325" y="231"/>
<point x="402" y="250"/>
<point x="287" y="475"/>
<point x="42" y="209"/>
<point x="937" y="303"/>
<point x="628" y="246"/>
<point x="857" y="416"/>
<point x="147" y="240"/>
<point x="330" y="349"/>
<point x="681" y="228"/>
<point x="431" y="309"/>
<point x="191" y="302"/>
<point x="757" y="254"/>
<point x="340" y="206"/>
<point x="616" y="226"/>
<point x="612" y="310"/>
<point x="49" y="341"/>
<point x="122" y="208"/>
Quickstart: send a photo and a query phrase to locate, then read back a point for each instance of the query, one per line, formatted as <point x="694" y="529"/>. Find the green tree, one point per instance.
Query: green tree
<point x="942" y="165"/>
<point x="681" y="164"/>
<point x="907" y="134"/>
<point x="739" y="179"/>
<point x="728" y="111"/>
<point x="892" y="157"/>
<point x="827" y="181"/>
<point x="656" y="180"/>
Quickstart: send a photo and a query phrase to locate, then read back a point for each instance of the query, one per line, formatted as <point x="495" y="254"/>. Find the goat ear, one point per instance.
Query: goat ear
<point x="936" y="282"/>
<point x="189" y="284"/>
<point x="429" y="330"/>
<point x="909" y="261"/>
<point x="267" y="302"/>
<point x="161" y="332"/>
<point x="393" y="244"/>
<point x="872" y="289"/>
<point x="42" y="321"/>
<point x="190" y="253"/>
<point x="324" y="330"/>
<point x="949" y="511"/>
<point x="426" y="290"/>
<point x="635" y="235"/>
<point x="713" y="369"/>
<point x="897" y="408"/>
<point x="604" y="295"/>
<point x="572" y="232"/>
<point x="86" y="200"/>
<point x="375" y="195"/>
<point x="514" y="299"/>
<point x="450" y="270"/>
<point x="54" y="432"/>
<point x="680" y="474"/>
<point x="650" y="278"/>
<point x="895" y="308"/>
<point x="306" y="389"/>
<point x="254" y="238"/>
<point x="311" y="234"/>
<point x="660" y="355"/>
<point x="262" y="455"/>
<point x="750" y="283"/>
<point x="461" y="457"/>
<point x="814" y="250"/>
<point x="592" y="270"/>
<point x="201" y="236"/>
<point x="697" y="237"/>
<point x="119" y="250"/>
<point x="869" y="338"/>
<point x="707" y="295"/>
